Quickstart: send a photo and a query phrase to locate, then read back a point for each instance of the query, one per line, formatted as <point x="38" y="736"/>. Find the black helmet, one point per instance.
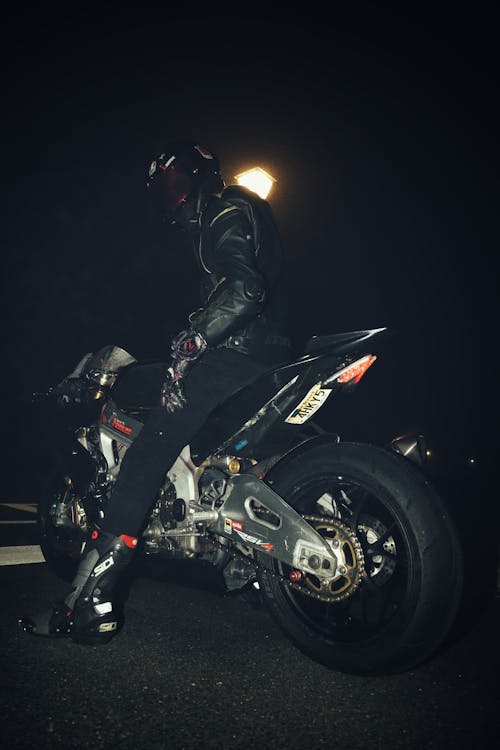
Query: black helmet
<point x="181" y="177"/>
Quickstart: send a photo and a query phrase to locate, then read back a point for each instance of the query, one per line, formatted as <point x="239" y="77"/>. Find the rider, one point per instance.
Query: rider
<point x="239" y="331"/>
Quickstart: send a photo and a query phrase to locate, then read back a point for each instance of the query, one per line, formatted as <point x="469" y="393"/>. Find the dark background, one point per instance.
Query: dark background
<point x="378" y="124"/>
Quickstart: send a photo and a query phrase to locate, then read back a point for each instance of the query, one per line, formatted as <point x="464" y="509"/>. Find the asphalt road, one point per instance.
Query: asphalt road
<point x="196" y="669"/>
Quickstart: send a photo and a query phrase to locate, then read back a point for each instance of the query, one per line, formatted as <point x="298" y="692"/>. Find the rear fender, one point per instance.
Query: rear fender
<point x="327" y="438"/>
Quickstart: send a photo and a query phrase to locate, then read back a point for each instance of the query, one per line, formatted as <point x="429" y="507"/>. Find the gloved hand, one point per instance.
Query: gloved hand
<point x="172" y="393"/>
<point x="187" y="347"/>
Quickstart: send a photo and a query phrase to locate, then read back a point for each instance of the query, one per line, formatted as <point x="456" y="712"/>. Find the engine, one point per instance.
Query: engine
<point x="176" y="529"/>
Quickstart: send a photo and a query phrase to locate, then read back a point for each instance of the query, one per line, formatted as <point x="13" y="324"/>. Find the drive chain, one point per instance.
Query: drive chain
<point x="341" y="528"/>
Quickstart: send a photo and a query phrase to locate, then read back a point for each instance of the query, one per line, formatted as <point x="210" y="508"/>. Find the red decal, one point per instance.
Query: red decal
<point x="120" y="426"/>
<point x="268" y="547"/>
<point x="237" y="526"/>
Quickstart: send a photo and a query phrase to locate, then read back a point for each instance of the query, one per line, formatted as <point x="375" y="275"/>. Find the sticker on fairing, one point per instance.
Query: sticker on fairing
<point x="228" y="525"/>
<point x="119" y="425"/>
<point x="254" y="540"/>
<point x="309" y="405"/>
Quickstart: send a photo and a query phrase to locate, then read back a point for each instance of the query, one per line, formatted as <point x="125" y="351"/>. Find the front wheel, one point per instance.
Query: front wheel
<point x="62" y="526"/>
<point x="399" y="583"/>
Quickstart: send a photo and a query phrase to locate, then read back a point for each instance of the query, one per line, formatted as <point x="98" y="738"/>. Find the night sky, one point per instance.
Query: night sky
<point x="380" y="130"/>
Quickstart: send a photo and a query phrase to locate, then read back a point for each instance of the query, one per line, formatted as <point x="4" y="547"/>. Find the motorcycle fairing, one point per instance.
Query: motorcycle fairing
<point x="341" y="341"/>
<point x="119" y="424"/>
<point x="117" y="430"/>
<point x="289" y="537"/>
<point x="252" y="423"/>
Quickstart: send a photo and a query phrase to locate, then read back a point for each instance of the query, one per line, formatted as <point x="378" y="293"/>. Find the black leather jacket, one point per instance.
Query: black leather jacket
<point x="243" y="289"/>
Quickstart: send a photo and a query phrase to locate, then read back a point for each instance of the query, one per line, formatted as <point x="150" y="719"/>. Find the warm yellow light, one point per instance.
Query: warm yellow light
<point x="257" y="180"/>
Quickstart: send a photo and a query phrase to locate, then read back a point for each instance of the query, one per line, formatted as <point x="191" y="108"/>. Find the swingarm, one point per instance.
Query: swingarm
<point x="256" y="516"/>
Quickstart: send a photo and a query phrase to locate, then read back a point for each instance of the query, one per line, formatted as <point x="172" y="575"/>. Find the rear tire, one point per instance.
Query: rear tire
<point x="411" y="586"/>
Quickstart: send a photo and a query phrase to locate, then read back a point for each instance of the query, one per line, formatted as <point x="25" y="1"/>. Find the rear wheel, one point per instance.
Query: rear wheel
<point x="399" y="575"/>
<point x="62" y="525"/>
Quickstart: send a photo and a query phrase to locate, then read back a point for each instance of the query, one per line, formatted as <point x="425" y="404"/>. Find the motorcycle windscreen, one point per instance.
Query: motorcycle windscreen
<point x="109" y="359"/>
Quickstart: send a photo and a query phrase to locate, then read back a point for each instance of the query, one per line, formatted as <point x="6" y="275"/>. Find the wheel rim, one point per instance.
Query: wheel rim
<point x="389" y="575"/>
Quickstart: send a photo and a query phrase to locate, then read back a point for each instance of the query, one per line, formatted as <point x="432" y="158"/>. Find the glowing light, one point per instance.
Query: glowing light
<point x="257" y="180"/>
<point x="353" y="372"/>
<point x="428" y="453"/>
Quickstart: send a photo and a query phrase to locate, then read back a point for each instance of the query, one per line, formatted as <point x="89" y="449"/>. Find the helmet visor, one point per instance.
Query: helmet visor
<point x="169" y="188"/>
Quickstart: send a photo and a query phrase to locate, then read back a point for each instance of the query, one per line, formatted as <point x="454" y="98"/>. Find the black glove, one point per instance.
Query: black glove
<point x="172" y="393"/>
<point x="187" y="347"/>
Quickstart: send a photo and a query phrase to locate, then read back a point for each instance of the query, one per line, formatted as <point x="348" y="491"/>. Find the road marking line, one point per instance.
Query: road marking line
<point x="14" y="523"/>
<point x="22" y="555"/>
<point x="28" y="507"/>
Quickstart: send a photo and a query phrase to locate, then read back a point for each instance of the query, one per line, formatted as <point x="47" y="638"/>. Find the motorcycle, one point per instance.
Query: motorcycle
<point x="354" y="552"/>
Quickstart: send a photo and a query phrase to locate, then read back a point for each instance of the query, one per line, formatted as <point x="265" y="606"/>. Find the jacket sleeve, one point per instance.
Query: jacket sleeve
<point x="240" y="292"/>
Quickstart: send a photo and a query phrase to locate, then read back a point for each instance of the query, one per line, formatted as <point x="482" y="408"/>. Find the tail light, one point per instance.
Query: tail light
<point x="353" y="372"/>
<point x="315" y="398"/>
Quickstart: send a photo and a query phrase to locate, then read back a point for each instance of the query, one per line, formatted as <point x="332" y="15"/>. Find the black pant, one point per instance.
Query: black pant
<point x="210" y="381"/>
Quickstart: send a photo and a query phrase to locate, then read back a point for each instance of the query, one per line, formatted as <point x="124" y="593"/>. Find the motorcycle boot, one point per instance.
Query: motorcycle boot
<point x="87" y="613"/>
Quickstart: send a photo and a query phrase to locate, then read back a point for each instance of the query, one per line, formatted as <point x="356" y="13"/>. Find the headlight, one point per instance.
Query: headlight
<point x="102" y="377"/>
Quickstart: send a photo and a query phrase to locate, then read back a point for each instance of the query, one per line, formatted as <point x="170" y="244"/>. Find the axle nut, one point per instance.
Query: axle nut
<point x="314" y="562"/>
